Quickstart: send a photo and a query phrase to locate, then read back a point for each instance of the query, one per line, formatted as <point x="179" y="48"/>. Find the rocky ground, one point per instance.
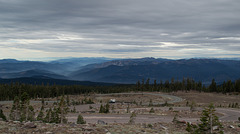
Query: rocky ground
<point x="15" y="127"/>
<point x="40" y="128"/>
<point x="203" y="99"/>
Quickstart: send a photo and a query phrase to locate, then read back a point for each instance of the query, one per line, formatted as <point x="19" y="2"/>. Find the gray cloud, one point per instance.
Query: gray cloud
<point x="127" y="28"/>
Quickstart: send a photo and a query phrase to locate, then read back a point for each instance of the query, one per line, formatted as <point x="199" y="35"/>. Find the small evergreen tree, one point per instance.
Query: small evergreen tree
<point x="155" y="85"/>
<point x="193" y="129"/>
<point x="132" y="118"/>
<point x="165" y="104"/>
<point x="213" y="86"/>
<point x="47" y="118"/>
<point x="150" y="103"/>
<point x="236" y="105"/>
<point x="15" y="111"/>
<point x="208" y="120"/>
<point x="147" y="87"/>
<point x="68" y="101"/>
<point x="2" y="115"/>
<point x="43" y="102"/>
<point x="80" y="120"/>
<point x="107" y="108"/>
<point x="89" y="101"/>
<point x="138" y="85"/>
<point x="102" y="109"/>
<point x="175" y="118"/>
<point x="233" y="105"/>
<point x="187" y="103"/>
<point x="31" y="113"/>
<point x="193" y="106"/>
<point x="74" y="109"/>
<point x="63" y="109"/>
<point x="24" y="105"/>
<point x="113" y="109"/>
<point x="54" y="118"/>
<point x="41" y="114"/>
<point x="151" y="110"/>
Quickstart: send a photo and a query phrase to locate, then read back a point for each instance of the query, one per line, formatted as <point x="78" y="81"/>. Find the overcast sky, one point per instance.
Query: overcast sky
<point x="31" y="29"/>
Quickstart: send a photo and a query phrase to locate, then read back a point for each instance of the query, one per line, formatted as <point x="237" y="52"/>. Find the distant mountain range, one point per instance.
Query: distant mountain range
<point x="32" y="73"/>
<point x="129" y="71"/>
<point x="123" y="70"/>
<point x="62" y="66"/>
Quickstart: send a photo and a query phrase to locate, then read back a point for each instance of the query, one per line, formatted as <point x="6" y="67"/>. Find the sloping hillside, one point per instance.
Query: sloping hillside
<point x="199" y="69"/>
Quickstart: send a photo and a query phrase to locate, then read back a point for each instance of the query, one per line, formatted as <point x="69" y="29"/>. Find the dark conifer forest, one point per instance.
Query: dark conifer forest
<point x="9" y="91"/>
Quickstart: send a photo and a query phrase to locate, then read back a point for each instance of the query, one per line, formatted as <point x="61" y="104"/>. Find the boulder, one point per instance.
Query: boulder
<point x="215" y="128"/>
<point x="16" y="122"/>
<point x="101" y="122"/>
<point x="29" y="125"/>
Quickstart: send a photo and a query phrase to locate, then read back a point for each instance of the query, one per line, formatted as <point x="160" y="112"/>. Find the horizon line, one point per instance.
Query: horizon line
<point x="49" y="59"/>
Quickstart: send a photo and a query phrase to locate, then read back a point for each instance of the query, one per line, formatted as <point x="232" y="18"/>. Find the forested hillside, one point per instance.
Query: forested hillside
<point x="9" y="91"/>
<point x="130" y="71"/>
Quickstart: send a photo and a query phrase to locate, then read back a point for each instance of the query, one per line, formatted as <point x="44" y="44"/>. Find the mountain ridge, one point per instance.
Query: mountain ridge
<point x="31" y="73"/>
<point x="198" y="69"/>
<point x="124" y="70"/>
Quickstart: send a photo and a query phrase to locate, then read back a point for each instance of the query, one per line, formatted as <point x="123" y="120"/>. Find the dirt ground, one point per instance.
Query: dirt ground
<point x="204" y="99"/>
<point x="130" y="98"/>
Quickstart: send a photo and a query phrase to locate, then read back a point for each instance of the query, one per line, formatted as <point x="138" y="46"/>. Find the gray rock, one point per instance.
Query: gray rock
<point x="215" y="127"/>
<point x="88" y="129"/>
<point x="49" y="132"/>
<point x="101" y="122"/>
<point x="106" y="130"/>
<point x="16" y="122"/>
<point x="73" y="125"/>
<point x="12" y="129"/>
<point x="29" y="125"/>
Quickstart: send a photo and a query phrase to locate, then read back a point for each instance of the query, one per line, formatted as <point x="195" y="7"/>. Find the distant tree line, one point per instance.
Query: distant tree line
<point x="10" y="91"/>
<point x="187" y="84"/>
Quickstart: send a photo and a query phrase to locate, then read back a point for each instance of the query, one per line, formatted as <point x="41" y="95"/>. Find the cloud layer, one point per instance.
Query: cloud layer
<point x="123" y="28"/>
